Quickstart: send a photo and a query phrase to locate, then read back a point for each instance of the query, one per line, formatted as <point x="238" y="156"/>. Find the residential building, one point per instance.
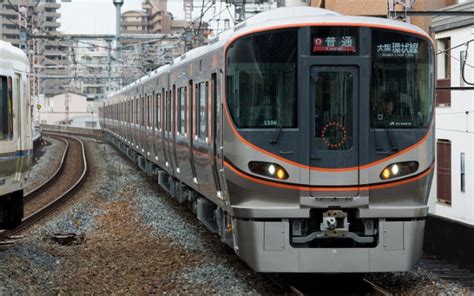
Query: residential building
<point x="134" y="22"/>
<point x="94" y="71"/>
<point x="453" y="189"/>
<point x="46" y="56"/>
<point x="153" y="19"/>
<point x="379" y="8"/>
<point x="64" y="108"/>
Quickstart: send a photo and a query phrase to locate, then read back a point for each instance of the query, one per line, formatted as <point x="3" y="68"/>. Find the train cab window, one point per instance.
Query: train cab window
<point x="402" y="80"/>
<point x="6" y="108"/>
<point x="182" y="94"/>
<point x="202" y="113"/>
<point x="261" y="80"/>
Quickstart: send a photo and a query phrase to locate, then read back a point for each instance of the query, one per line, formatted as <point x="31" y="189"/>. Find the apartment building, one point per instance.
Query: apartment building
<point x="452" y="194"/>
<point x="153" y="19"/>
<point x="379" y="8"/>
<point x="47" y="57"/>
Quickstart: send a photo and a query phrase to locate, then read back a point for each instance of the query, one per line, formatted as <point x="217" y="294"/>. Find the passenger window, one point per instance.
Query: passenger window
<point x="182" y="110"/>
<point x="158" y="110"/>
<point x="6" y="108"/>
<point x="202" y="111"/>
<point x="150" y="110"/>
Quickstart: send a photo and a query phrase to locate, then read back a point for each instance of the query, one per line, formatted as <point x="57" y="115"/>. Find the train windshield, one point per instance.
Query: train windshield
<point x="402" y="80"/>
<point x="261" y="79"/>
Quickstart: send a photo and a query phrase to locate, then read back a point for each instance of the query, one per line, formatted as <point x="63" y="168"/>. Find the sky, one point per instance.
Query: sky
<point x="98" y="16"/>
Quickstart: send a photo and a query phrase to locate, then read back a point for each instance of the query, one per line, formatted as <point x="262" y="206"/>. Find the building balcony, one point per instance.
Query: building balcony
<point x="51" y="24"/>
<point x="133" y="23"/>
<point x="8" y="11"/>
<point x="51" y="14"/>
<point x="52" y="5"/>
<point x="10" y="31"/>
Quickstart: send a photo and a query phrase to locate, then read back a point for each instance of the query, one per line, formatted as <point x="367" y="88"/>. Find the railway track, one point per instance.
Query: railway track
<point x="343" y="284"/>
<point x="447" y="271"/>
<point x="30" y="194"/>
<point x="51" y="194"/>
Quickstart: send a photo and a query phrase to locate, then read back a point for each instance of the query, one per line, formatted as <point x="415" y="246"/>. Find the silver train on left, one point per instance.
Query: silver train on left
<point x="16" y="146"/>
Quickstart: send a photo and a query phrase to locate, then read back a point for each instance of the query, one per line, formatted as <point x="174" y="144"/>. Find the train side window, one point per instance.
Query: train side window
<point x="158" y="110"/>
<point x="6" y="108"/>
<point x="202" y="111"/>
<point x="182" y="110"/>
<point x="150" y="110"/>
<point x="168" y="111"/>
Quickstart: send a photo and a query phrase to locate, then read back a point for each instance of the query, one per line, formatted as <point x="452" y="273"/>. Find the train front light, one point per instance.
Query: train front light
<point x="399" y="169"/>
<point x="268" y="169"/>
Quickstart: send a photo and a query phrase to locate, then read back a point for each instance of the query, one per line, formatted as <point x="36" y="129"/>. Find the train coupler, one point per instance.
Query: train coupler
<point x="332" y="230"/>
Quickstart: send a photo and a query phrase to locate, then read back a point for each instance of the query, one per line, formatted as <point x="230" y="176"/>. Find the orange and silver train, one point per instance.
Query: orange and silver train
<point x="302" y="137"/>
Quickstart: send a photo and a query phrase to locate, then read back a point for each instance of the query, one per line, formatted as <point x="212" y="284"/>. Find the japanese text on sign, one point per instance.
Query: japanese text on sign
<point x="397" y="49"/>
<point x="328" y="44"/>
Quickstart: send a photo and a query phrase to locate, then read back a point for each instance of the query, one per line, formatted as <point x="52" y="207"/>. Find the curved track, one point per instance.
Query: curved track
<point x="326" y="284"/>
<point x="52" y="193"/>
<point x="34" y="192"/>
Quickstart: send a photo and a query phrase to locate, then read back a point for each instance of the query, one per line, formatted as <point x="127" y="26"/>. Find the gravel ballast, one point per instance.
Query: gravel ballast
<point x="137" y="240"/>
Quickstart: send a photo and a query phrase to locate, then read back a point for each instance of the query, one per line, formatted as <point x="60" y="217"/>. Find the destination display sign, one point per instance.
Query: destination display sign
<point x="397" y="49"/>
<point x="334" y="44"/>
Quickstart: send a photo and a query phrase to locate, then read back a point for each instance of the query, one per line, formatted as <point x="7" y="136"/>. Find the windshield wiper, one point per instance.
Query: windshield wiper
<point x="389" y="132"/>
<point x="276" y="135"/>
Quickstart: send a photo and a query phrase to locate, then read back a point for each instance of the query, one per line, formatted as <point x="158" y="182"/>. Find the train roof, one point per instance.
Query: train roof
<point x="273" y="19"/>
<point x="9" y="52"/>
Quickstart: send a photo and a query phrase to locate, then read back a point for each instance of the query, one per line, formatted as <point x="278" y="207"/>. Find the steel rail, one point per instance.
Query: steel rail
<point x="34" y="192"/>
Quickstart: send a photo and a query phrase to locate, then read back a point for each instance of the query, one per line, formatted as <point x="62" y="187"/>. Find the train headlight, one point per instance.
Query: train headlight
<point x="268" y="169"/>
<point x="399" y="169"/>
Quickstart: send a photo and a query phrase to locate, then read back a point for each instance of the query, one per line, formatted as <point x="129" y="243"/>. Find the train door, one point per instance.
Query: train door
<point x="215" y="134"/>
<point x="17" y="111"/>
<point x="334" y="129"/>
<point x="18" y="129"/>
<point x="169" y="129"/>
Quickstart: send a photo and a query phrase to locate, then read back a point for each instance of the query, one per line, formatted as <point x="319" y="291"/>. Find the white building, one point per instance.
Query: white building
<point x="65" y="108"/>
<point x="453" y="187"/>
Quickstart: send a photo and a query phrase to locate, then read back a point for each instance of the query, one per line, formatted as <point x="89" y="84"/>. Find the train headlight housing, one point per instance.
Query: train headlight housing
<point x="268" y="169"/>
<point x="399" y="169"/>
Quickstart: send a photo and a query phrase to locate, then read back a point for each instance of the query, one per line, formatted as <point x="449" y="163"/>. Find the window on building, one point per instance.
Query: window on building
<point x="444" y="171"/>
<point x="443" y="83"/>
<point x="463" y="172"/>
<point x="201" y="116"/>
<point x="6" y="108"/>
<point x="444" y="45"/>
<point x="462" y="58"/>
<point x="182" y="92"/>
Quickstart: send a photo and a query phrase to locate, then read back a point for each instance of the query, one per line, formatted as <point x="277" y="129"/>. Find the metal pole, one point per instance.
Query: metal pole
<point x="118" y="5"/>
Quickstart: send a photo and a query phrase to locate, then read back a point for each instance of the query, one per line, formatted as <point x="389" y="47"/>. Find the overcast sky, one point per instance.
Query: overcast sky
<point x="98" y="16"/>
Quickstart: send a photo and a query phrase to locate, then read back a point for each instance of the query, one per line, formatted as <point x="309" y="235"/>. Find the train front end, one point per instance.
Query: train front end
<point x="329" y="144"/>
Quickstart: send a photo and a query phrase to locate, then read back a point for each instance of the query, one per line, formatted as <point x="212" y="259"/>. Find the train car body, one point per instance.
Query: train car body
<point x="303" y="138"/>
<point x="15" y="133"/>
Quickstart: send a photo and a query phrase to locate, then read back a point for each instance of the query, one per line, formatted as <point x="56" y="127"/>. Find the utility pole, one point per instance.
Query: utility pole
<point x="402" y="15"/>
<point x="66" y="107"/>
<point x="23" y="23"/>
<point x="118" y="22"/>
